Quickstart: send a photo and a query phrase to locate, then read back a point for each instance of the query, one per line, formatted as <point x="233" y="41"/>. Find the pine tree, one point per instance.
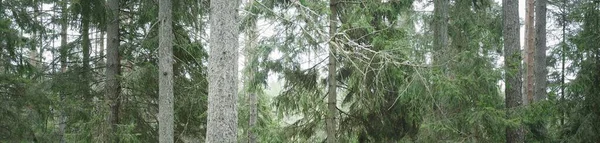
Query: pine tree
<point x="512" y="67"/>
<point x="540" y="51"/>
<point x="165" y="113"/>
<point x="529" y="52"/>
<point x="222" y="74"/>
<point x="332" y="82"/>
<point x="113" y="70"/>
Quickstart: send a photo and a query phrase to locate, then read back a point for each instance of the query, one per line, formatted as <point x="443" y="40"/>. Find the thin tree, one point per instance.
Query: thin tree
<point x="540" y="50"/>
<point x="512" y="66"/>
<point x="222" y="117"/>
<point x="165" y="77"/>
<point x="64" y="25"/>
<point x="332" y="94"/>
<point x="440" y="29"/>
<point x="85" y="46"/>
<point x="113" y="70"/>
<point x="529" y="49"/>
<point x="250" y="46"/>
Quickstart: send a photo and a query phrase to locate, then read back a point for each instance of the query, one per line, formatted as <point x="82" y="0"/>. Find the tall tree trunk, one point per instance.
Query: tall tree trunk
<point x="529" y="48"/>
<point x="540" y="50"/>
<point x="332" y="94"/>
<point x="440" y="30"/>
<point x="222" y="117"/>
<point x="64" y="25"/>
<point x="165" y="77"/>
<point x="563" y="57"/>
<point x="85" y="46"/>
<point x="512" y="66"/>
<point x="113" y="70"/>
<point x="250" y="46"/>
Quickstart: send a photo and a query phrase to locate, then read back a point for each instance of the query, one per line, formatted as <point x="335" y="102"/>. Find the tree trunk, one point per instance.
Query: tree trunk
<point x="85" y="47"/>
<point x="440" y="30"/>
<point x="540" y="51"/>
<point x="563" y="58"/>
<point x="332" y="94"/>
<point x="222" y="73"/>
<point x="512" y="65"/>
<point x="64" y="25"/>
<point x="530" y="49"/>
<point x="165" y="77"/>
<point x="113" y="70"/>
<point x="252" y="97"/>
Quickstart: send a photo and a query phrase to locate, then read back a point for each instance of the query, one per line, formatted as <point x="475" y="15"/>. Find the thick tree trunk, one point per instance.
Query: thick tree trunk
<point x="222" y="73"/>
<point x="165" y="77"/>
<point x="512" y="65"/>
<point x="113" y="70"/>
<point x="540" y="50"/>
<point x="332" y="94"/>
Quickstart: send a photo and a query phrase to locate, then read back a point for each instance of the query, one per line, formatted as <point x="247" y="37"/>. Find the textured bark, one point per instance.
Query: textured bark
<point x="512" y="66"/>
<point x="222" y="117"/>
<point x="332" y="94"/>
<point x="440" y="30"/>
<point x="529" y="51"/>
<point x="540" y="51"/>
<point x="63" y="67"/>
<point x="113" y="70"/>
<point x="165" y="77"/>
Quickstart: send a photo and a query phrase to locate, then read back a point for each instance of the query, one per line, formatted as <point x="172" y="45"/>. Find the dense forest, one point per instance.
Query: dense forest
<point x="299" y="71"/>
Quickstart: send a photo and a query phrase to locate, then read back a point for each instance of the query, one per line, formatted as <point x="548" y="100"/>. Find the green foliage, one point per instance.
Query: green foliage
<point x="389" y="89"/>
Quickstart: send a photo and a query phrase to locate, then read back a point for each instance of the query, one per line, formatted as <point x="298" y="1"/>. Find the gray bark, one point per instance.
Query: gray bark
<point x="512" y="66"/>
<point x="63" y="67"/>
<point x="440" y="30"/>
<point x="113" y="70"/>
<point x="540" y="51"/>
<point x="250" y="46"/>
<point x="332" y="94"/>
<point x="222" y="73"/>
<point x="165" y="77"/>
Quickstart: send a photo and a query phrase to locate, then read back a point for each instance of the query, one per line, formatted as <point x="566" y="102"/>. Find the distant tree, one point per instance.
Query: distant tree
<point x="332" y="82"/>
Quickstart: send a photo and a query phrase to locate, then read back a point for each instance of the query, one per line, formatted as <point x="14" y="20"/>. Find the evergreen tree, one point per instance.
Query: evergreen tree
<point x="512" y="66"/>
<point x="222" y="91"/>
<point x="165" y="113"/>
